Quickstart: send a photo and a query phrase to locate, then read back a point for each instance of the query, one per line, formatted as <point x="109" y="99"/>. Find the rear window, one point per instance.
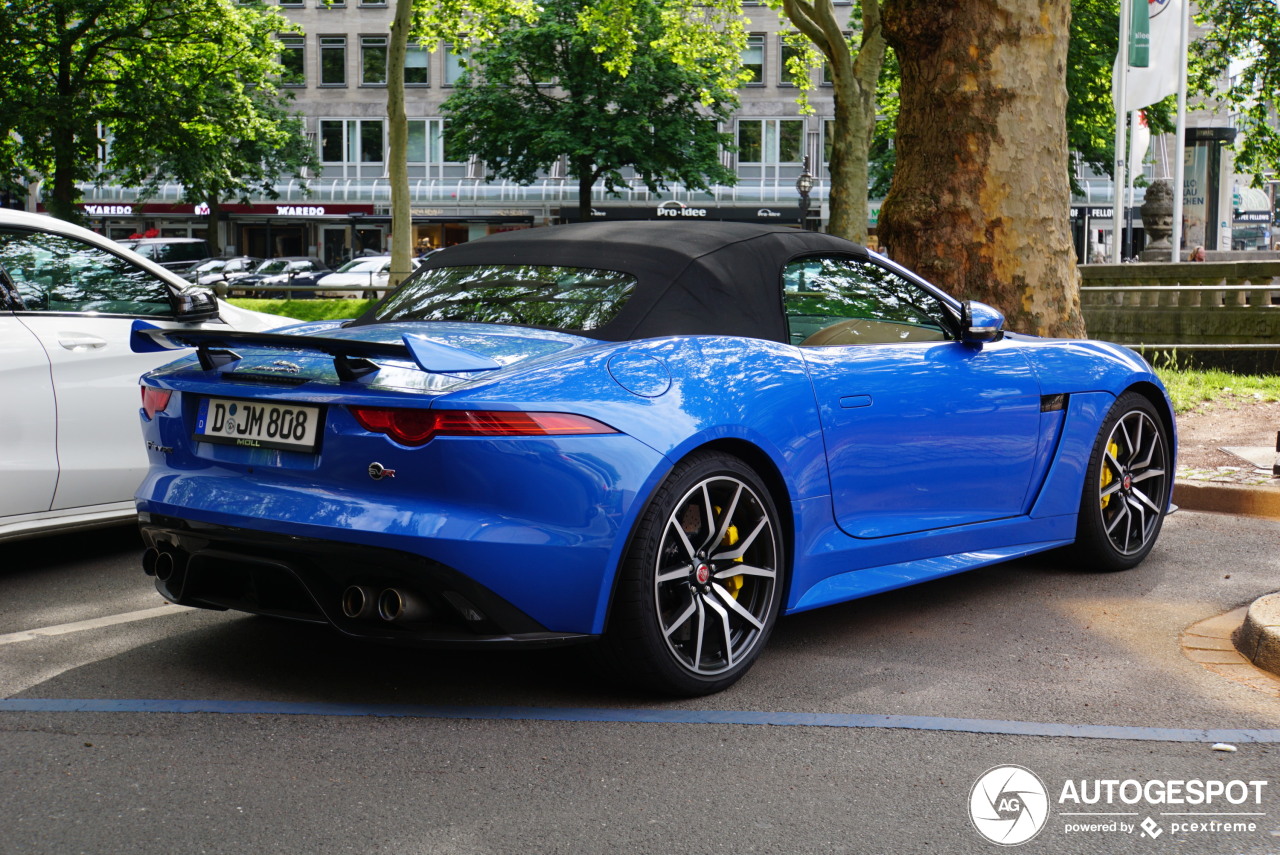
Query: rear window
<point x="185" y="251"/>
<point x="161" y="251"/>
<point x="568" y="298"/>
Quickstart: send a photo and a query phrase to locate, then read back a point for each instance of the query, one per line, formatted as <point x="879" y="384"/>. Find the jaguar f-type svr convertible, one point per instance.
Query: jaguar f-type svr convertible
<point x="654" y="437"/>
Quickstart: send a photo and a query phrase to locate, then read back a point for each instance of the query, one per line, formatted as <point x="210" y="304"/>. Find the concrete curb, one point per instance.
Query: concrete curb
<point x="1259" y="501"/>
<point x="1258" y="639"/>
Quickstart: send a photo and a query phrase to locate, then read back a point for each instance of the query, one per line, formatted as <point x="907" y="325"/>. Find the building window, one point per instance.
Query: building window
<point x="427" y="143"/>
<point x="351" y="141"/>
<point x="786" y="52"/>
<point x="293" y="61"/>
<point x="292" y="3"/>
<point x="455" y="65"/>
<point x="373" y="61"/>
<point x="771" y="141"/>
<point x="753" y="59"/>
<point x="333" y="60"/>
<point x="417" y="66"/>
<point x="378" y="3"/>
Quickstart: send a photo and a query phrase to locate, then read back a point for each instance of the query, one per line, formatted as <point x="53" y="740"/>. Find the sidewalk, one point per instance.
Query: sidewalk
<point x="1250" y="489"/>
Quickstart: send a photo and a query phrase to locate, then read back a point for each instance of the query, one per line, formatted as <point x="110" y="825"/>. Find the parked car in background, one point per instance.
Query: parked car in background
<point x="364" y="278"/>
<point x="276" y="276"/>
<point x="176" y="254"/>
<point x="211" y="271"/>
<point x="70" y="456"/>
<point x="653" y="437"/>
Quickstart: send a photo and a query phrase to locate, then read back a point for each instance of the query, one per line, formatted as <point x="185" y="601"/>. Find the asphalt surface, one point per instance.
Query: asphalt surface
<point x="1249" y="490"/>
<point x="868" y="747"/>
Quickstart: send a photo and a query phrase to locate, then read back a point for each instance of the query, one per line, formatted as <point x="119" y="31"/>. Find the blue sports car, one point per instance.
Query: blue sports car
<point x="651" y="437"/>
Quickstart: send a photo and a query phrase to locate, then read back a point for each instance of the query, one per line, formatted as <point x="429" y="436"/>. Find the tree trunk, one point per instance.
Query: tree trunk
<point x="586" y="179"/>
<point x="398" y="147"/>
<point x="854" y="79"/>
<point x="60" y="202"/>
<point x="215" y="224"/>
<point x="980" y="199"/>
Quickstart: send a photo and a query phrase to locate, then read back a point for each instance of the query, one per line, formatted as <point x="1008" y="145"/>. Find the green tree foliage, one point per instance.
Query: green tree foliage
<point x="185" y="89"/>
<point x="545" y="91"/>
<point x="1091" y="113"/>
<point x="1238" y="63"/>
<point x="853" y="60"/>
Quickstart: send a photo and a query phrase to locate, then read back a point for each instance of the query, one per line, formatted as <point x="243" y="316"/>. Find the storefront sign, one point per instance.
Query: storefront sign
<point x="203" y="210"/>
<point x="108" y="210"/>
<point x="672" y="210"/>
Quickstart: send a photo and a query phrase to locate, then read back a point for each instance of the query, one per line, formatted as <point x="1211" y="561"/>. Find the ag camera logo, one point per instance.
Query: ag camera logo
<point x="1008" y="805"/>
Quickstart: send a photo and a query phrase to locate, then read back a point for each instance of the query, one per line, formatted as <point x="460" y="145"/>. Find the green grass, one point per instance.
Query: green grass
<point x="1197" y="389"/>
<point x="307" y="310"/>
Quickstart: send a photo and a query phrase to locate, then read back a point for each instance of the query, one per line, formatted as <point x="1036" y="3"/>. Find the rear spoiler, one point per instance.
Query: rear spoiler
<point x="351" y="357"/>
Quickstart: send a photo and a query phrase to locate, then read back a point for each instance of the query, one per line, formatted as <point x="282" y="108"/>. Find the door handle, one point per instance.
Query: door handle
<point x="80" y="341"/>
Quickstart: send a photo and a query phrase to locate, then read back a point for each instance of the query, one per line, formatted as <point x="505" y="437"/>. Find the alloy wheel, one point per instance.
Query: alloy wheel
<point x="716" y="575"/>
<point x="1134" y="482"/>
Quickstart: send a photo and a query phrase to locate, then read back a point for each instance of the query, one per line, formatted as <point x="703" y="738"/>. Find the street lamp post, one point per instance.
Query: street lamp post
<point x="803" y="185"/>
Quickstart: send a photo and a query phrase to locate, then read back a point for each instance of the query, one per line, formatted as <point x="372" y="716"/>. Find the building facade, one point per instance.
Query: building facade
<point x="336" y="69"/>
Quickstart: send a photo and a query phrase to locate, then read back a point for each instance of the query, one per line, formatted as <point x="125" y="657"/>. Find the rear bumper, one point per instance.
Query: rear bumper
<point x="222" y="567"/>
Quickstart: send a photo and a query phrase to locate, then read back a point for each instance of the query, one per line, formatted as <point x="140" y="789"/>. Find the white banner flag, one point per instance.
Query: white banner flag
<point x="1139" y="142"/>
<point x="1159" y="79"/>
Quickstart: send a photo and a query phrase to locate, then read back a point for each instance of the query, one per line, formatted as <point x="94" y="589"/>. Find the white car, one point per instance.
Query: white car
<point x="71" y="452"/>
<point x="364" y="277"/>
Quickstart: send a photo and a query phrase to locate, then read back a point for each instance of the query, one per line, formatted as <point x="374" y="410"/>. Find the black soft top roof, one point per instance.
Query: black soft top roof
<point x="694" y="278"/>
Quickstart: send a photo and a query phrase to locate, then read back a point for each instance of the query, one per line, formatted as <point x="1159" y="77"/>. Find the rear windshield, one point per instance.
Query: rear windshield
<point x="162" y="252"/>
<point x="566" y="298"/>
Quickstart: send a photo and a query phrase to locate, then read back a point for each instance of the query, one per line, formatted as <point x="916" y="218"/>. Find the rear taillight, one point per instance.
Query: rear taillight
<point x="418" y="427"/>
<point x="154" y="400"/>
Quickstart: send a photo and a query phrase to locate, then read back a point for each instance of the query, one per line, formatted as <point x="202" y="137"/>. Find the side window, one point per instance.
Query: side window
<point x="53" y="273"/>
<point x="841" y="301"/>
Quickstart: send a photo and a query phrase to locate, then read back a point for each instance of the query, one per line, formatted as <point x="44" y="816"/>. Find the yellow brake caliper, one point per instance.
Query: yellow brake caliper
<point x="733" y="583"/>
<point x="1113" y="449"/>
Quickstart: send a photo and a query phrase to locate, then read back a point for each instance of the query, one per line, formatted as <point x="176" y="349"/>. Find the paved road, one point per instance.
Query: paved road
<point x="1034" y="646"/>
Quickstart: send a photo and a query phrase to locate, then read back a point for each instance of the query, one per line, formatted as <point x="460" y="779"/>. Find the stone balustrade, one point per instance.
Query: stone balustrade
<point x="1223" y="313"/>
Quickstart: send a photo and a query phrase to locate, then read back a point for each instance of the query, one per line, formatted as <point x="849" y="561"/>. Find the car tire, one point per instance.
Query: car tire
<point x="1127" y="487"/>
<point x="683" y="621"/>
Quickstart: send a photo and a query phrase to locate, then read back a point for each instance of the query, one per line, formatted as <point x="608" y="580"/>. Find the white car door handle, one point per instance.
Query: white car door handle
<point x="80" y="341"/>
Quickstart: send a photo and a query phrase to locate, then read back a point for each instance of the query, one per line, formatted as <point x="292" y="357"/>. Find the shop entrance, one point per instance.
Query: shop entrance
<point x="272" y="241"/>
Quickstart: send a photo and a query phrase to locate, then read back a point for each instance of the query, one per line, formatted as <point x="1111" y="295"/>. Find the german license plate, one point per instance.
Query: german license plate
<point x="258" y="424"/>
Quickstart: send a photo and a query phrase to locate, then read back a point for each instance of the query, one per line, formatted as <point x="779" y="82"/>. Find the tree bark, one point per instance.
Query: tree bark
<point x="398" y="147"/>
<point x="215" y="223"/>
<point x="980" y="201"/>
<point x="586" y="180"/>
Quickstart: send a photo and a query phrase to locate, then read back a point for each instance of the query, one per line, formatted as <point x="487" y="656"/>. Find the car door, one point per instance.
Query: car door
<point x="28" y="447"/>
<point x="79" y="301"/>
<point x="922" y="431"/>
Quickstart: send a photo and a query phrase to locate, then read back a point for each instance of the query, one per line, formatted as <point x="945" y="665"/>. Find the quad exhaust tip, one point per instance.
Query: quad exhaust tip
<point x="396" y="604"/>
<point x="359" y="602"/>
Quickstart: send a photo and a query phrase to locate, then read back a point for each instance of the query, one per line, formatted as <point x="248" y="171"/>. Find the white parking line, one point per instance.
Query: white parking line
<point x="95" y="623"/>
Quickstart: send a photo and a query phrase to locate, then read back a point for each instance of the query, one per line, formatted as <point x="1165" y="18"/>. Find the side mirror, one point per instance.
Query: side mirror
<point x="980" y="323"/>
<point x="194" y="306"/>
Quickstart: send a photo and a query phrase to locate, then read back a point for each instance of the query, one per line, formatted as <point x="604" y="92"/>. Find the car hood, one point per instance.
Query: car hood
<point x="248" y="320"/>
<point x="352" y="278"/>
